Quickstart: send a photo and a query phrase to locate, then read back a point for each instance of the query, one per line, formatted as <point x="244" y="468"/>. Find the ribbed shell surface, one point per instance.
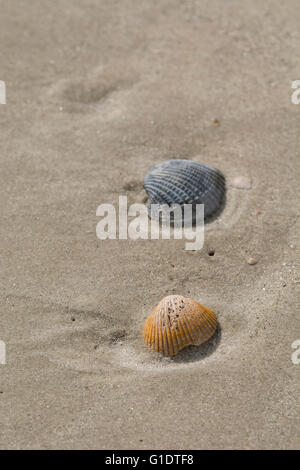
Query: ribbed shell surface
<point x="186" y="182"/>
<point x="178" y="322"/>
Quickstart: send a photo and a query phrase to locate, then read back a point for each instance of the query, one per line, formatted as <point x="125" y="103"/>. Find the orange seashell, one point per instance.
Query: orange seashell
<point x="177" y="322"/>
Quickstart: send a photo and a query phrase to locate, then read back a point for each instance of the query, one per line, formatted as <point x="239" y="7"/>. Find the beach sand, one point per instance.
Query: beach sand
<point x="97" y="93"/>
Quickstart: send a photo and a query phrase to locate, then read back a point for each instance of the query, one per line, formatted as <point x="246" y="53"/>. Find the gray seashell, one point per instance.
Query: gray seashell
<point x="186" y="182"/>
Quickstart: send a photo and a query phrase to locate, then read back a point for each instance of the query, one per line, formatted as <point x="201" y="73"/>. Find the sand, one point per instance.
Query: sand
<point x="97" y="93"/>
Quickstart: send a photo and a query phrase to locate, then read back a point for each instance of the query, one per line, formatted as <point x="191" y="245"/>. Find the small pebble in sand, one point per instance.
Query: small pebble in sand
<point x="216" y="122"/>
<point x="242" y="182"/>
<point x="257" y="212"/>
<point x="252" y="261"/>
<point x="211" y="252"/>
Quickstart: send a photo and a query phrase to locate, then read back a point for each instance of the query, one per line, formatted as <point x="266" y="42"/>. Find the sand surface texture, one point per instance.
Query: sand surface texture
<point x="97" y="93"/>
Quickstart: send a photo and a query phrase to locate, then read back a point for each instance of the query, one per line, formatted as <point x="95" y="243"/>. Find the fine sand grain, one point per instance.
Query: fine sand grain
<point x="97" y="93"/>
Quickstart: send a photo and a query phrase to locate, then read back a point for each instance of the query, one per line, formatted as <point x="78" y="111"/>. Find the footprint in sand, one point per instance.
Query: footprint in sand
<point x="87" y="94"/>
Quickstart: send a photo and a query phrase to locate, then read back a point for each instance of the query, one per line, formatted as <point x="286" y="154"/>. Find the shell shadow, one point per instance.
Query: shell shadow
<point x="217" y="213"/>
<point x="198" y="353"/>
